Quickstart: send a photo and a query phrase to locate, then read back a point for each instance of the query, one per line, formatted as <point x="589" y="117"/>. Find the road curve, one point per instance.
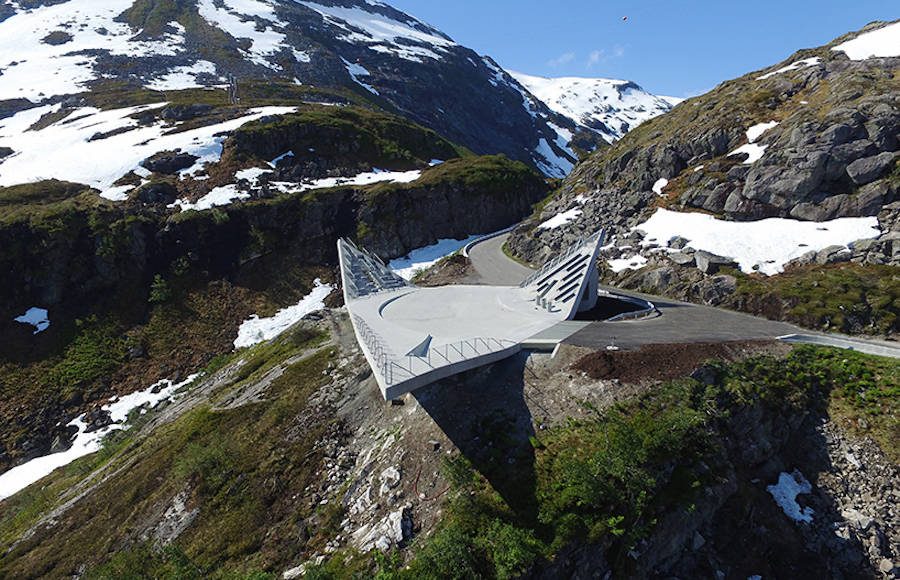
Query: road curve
<point x="494" y="268"/>
<point x="677" y="321"/>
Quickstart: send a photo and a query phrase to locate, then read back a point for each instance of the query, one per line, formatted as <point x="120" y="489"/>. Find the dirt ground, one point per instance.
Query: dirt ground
<point x="664" y="362"/>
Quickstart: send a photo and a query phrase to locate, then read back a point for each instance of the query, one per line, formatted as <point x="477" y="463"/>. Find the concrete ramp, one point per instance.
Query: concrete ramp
<point x="414" y="336"/>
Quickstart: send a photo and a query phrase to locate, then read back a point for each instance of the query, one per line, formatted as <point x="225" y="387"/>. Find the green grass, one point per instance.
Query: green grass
<point x="345" y="134"/>
<point x="607" y="480"/>
<point x="845" y="297"/>
<point x="236" y="466"/>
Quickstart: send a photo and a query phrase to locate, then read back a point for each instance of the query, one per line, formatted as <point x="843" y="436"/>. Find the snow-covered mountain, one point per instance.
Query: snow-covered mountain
<point x="607" y="106"/>
<point x="53" y="49"/>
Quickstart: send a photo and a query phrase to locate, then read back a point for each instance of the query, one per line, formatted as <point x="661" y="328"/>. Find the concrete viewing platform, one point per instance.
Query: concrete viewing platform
<point x="414" y="336"/>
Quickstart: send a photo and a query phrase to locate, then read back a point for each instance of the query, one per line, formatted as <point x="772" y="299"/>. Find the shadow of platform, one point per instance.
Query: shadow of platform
<point x="484" y="413"/>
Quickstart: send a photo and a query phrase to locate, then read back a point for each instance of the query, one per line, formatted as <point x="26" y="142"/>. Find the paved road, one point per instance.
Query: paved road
<point x="494" y="268"/>
<point x="677" y="321"/>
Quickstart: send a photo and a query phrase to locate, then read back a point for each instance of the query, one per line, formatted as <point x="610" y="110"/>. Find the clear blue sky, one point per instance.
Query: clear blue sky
<point x="678" y="48"/>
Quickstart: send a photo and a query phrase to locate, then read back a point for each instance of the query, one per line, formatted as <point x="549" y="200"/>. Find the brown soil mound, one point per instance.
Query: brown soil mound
<point x="664" y="362"/>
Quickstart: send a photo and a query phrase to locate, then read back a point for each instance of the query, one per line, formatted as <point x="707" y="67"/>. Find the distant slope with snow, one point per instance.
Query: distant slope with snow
<point x="608" y="106"/>
<point x="365" y="49"/>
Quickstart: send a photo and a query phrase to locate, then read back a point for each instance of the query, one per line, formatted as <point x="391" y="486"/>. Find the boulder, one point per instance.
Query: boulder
<point x="833" y="255"/>
<point x="5" y="152"/>
<point x="709" y="263"/>
<point x="169" y="162"/>
<point x="157" y="192"/>
<point x="682" y="259"/>
<point x="868" y="169"/>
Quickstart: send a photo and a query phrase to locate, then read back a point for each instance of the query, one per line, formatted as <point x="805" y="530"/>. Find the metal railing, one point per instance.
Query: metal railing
<point x="362" y="268"/>
<point x="573" y="249"/>
<point x="392" y="369"/>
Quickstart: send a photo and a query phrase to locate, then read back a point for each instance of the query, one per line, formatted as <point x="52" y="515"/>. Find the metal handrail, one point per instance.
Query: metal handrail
<point x="389" y="364"/>
<point x="573" y="249"/>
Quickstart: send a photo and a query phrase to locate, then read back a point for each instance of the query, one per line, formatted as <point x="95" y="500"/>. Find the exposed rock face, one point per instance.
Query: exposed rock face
<point x="828" y="149"/>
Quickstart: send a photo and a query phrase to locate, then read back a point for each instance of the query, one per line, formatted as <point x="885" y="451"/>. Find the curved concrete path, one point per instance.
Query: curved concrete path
<point x="677" y="321"/>
<point x="494" y="268"/>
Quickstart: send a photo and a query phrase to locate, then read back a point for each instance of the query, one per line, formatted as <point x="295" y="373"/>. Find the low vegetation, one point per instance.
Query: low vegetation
<point x="847" y="297"/>
<point x="609" y="480"/>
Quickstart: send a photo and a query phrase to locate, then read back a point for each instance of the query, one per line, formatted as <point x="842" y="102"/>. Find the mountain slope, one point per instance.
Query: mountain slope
<point x="389" y="59"/>
<point x="799" y="164"/>
<point x="607" y="106"/>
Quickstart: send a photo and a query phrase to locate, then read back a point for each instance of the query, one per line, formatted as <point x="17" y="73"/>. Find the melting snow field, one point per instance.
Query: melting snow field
<point x="410" y="39"/>
<point x="884" y="42"/>
<point x="65" y="149"/>
<point x="769" y="243"/>
<point x="36" y="317"/>
<point x="793" y="66"/>
<point x="785" y="492"/>
<point x="423" y="258"/>
<point x="561" y="219"/>
<point x="256" y="330"/>
<point x="33" y="69"/>
<point x="22" y="476"/>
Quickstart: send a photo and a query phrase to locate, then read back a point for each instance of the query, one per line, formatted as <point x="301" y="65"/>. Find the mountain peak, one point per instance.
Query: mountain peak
<point x="610" y="107"/>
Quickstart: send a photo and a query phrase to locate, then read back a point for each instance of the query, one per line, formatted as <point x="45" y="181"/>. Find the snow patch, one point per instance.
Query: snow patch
<point x="251" y="19"/>
<point x="635" y="262"/>
<point x="65" y="150"/>
<point x="550" y="162"/>
<point x="785" y="492"/>
<point x="256" y="330"/>
<point x="756" y="131"/>
<point x="224" y="195"/>
<point x="659" y="185"/>
<point x="561" y="219"/>
<point x="410" y="39"/>
<point x="183" y="77"/>
<point x="36" y="317"/>
<point x="754" y="152"/>
<point x="423" y="258"/>
<point x="793" y="66"/>
<point x="356" y="71"/>
<point x="884" y="42"/>
<point x="766" y="244"/>
<point x="22" y="476"/>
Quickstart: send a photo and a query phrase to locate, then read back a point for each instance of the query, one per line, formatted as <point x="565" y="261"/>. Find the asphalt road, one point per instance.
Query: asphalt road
<point x="493" y="267"/>
<point x="676" y="322"/>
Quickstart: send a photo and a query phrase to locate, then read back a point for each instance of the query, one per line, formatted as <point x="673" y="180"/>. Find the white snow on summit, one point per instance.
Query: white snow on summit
<point x="619" y="105"/>
<point x="410" y="39"/>
<point x="884" y="42"/>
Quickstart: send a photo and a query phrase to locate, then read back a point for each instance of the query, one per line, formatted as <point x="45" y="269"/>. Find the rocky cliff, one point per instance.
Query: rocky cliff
<point x="812" y="138"/>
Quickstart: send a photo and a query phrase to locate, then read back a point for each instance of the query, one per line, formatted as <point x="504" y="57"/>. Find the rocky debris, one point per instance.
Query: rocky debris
<point x="96" y="419"/>
<point x="185" y="112"/>
<point x="156" y="192"/>
<point x="176" y="519"/>
<point x="710" y="263"/>
<point x="825" y="159"/>
<point x="390" y="478"/>
<point x="169" y="162"/>
<point x="391" y="532"/>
